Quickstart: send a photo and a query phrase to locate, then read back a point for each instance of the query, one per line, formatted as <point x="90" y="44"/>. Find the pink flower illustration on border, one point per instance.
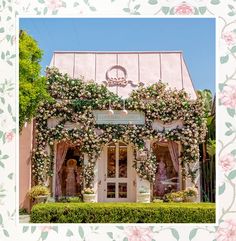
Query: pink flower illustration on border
<point x="54" y="4"/>
<point x="229" y="38"/>
<point x="9" y="136"/>
<point x="138" y="234"/>
<point x="227" y="231"/>
<point x="184" y="9"/>
<point x="45" y="228"/>
<point x="227" y="162"/>
<point x="228" y="97"/>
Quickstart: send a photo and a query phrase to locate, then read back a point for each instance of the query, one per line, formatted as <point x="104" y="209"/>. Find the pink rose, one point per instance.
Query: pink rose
<point x="228" y="96"/>
<point x="184" y="9"/>
<point x="227" y="162"/>
<point x="138" y="234"/>
<point x="54" y="4"/>
<point x="227" y="231"/>
<point x="229" y="38"/>
<point x="9" y="136"/>
<point x="45" y="228"/>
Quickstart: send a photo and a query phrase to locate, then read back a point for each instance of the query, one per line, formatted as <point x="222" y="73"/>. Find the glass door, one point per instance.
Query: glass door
<point x="117" y="178"/>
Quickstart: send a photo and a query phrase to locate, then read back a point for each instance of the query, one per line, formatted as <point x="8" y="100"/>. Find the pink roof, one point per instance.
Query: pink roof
<point x="136" y="67"/>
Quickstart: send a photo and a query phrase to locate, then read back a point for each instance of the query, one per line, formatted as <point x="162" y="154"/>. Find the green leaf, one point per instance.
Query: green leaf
<point x="76" y="4"/>
<point x="1" y="30"/>
<point x="215" y="2"/>
<point x="228" y="124"/>
<point x="69" y="233"/>
<point x="41" y="1"/>
<point x="92" y="8"/>
<point x="229" y="133"/>
<point x="127" y="10"/>
<point x="232" y="174"/>
<point x="1" y="111"/>
<point x="25" y="229"/>
<point x="231" y="7"/>
<point x="125" y="239"/>
<point x="81" y="232"/>
<point x="54" y="12"/>
<point x="202" y="10"/>
<point x="120" y="227"/>
<point x="231" y="13"/>
<point x="2" y="100"/>
<point x="224" y="59"/>
<point x="33" y="228"/>
<point x="193" y="233"/>
<point x="3" y="55"/>
<point x="44" y="235"/>
<point x="221" y="86"/>
<point x="152" y="2"/>
<point x="165" y="10"/>
<point x="110" y="234"/>
<point x="10" y="176"/>
<point x="45" y="10"/>
<point x="9" y="62"/>
<point x="231" y="112"/>
<point x="9" y="109"/>
<point x="233" y="152"/>
<point x="233" y="50"/>
<point x="1" y="220"/>
<point x="55" y="229"/>
<point x="2" y="164"/>
<point x="137" y="7"/>
<point x="5" y="157"/>
<point x="175" y="233"/>
<point x="221" y="189"/>
<point x="6" y="233"/>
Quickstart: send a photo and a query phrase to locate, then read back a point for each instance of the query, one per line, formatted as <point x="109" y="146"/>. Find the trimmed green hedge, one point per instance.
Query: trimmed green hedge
<point x="123" y="213"/>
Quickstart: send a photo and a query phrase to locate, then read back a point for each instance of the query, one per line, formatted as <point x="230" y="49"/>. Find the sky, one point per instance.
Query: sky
<point x="194" y="36"/>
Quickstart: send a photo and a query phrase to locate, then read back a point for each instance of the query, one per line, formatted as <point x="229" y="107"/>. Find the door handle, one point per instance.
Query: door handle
<point x="134" y="183"/>
<point x="105" y="177"/>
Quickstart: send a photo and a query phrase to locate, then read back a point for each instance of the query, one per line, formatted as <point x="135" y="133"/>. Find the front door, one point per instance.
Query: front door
<point x="119" y="183"/>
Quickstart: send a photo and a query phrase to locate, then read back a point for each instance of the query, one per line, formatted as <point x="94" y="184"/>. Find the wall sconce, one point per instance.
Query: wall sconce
<point x="110" y="111"/>
<point x="124" y="111"/>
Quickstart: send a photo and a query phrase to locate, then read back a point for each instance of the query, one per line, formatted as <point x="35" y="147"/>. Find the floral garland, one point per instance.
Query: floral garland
<point x="73" y="100"/>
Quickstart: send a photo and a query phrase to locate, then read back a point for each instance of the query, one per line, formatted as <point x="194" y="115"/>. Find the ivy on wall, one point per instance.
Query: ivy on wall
<point x="73" y="100"/>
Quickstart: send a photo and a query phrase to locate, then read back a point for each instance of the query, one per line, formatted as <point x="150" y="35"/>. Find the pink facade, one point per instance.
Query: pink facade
<point x="25" y="148"/>
<point x="140" y="67"/>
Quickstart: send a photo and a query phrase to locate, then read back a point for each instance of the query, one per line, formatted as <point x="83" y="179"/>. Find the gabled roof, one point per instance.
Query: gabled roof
<point x="137" y="67"/>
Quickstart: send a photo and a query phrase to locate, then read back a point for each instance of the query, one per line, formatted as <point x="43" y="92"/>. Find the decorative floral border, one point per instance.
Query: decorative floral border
<point x="225" y="13"/>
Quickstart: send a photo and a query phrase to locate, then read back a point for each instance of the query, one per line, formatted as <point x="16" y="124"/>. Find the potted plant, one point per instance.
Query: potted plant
<point x="190" y="194"/>
<point x="89" y="195"/>
<point x="175" y="196"/>
<point x="39" y="193"/>
<point x="143" y="195"/>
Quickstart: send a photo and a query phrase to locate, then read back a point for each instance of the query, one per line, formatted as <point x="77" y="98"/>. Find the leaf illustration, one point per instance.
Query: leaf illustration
<point x="232" y="174"/>
<point x="193" y="233"/>
<point x="222" y="189"/>
<point x="69" y="233"/>
<point x="81" y="232"/>
<point x="175" y="233"/>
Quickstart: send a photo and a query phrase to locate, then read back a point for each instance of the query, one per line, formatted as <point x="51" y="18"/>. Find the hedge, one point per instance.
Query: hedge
<point x="123" y="213"/>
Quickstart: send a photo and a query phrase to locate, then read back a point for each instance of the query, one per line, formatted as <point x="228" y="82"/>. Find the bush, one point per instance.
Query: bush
<point x="123" y="213"/>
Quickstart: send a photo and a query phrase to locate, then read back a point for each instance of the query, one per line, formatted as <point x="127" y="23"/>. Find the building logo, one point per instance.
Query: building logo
<point x="117" y="76"/>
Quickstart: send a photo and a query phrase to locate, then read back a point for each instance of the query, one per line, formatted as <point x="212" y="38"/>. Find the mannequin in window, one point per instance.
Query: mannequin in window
<point x="160" y="176"/>
<point x="71" y="172"/>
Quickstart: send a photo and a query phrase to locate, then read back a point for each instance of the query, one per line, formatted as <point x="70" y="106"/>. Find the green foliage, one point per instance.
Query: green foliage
<point x="32" y="87"/>
<point x="123" y="213"/>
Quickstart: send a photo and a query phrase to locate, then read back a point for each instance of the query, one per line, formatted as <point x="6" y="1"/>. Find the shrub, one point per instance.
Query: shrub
<point x="123" y="213"/>
<point x="38" y="191"/>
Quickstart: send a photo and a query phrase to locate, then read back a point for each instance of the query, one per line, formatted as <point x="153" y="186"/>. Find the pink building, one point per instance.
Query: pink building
<point x="115" y="180"/>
